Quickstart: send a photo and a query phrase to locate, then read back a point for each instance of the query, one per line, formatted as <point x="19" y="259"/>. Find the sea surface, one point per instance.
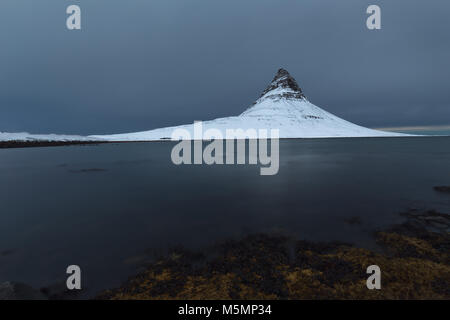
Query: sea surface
<point x="110" y="208"/>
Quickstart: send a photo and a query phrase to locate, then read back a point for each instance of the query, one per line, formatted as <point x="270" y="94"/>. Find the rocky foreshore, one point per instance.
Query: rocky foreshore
<point x="414" y="260"/>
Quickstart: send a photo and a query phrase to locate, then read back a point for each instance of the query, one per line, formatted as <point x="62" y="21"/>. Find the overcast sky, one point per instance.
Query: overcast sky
<point x="144" y="64"/>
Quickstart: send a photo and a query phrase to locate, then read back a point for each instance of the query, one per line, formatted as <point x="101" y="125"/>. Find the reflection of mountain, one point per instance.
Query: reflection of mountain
<point x="282" y="106"/>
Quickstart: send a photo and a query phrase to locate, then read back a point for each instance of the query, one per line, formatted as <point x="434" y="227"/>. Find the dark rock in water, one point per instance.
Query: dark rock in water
<point x="89" y="170"/>
<point x="19" y="291"/>
<point x="430" y="220"/>
<point x="353" y="220"/>
<point x="59" y="291"/>
<point x="444" y="189"/>
<point x="421" y="237"/>
<point x="6" y="252"/>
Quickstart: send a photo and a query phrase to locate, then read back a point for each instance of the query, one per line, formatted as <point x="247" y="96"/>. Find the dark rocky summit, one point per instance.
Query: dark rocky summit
<point x="283" y="80"/>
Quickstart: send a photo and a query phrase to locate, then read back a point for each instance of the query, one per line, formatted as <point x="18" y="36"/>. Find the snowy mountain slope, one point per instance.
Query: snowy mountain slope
<point x="282" y="106"/>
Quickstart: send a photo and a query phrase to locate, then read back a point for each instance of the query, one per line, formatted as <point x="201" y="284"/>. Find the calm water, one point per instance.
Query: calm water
<point x="102" y="207"/>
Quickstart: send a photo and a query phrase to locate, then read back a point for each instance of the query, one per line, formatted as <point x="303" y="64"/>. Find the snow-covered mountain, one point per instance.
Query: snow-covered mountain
<point x="282" y="106"/>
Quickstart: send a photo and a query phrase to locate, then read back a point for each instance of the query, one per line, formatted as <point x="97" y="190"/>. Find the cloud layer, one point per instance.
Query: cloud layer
<point x="139" y="65"/>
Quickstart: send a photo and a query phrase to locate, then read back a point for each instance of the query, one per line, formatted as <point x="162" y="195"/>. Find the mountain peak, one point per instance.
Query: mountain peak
<point x="283" y="86"/>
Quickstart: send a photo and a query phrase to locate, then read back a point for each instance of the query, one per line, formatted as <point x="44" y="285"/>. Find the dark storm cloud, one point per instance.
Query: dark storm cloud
<point x="140" y="65"/>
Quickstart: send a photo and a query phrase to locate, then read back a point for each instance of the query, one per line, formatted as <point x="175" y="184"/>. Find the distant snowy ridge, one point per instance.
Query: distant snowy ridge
<point x="282" y="106"/>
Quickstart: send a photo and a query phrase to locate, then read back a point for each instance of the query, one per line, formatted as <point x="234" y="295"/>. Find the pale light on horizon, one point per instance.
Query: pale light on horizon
<point x="416" y="128"/>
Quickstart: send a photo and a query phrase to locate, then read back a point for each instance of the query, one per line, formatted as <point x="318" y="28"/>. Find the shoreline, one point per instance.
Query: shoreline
<point x="42" y="143"/>
<point x="10" y="144"/>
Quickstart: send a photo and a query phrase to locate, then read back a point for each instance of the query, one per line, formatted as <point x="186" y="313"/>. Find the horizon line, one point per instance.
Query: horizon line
<point x="416" y="128"/>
